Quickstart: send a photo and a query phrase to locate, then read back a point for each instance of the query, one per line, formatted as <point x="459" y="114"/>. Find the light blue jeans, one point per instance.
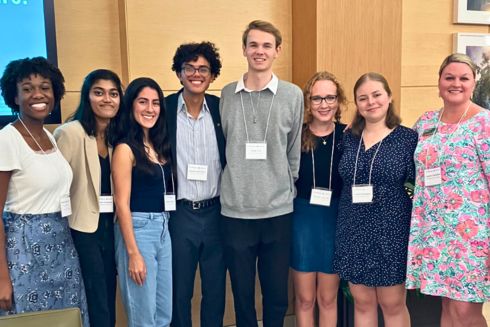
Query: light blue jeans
<point x="149" y="304"/>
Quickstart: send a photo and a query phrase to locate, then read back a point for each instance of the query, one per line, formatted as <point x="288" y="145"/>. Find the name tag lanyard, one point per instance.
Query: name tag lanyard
<point x="432" y="176"/>
<point x="331" y="163"/>
<point x="106" y="201"/>
<point x="65" y="204"/>
<point x="372" y="160"/>
<point x="169" y="198"/>
<point x="254" y="115"/>
<point x="321" y="196"/>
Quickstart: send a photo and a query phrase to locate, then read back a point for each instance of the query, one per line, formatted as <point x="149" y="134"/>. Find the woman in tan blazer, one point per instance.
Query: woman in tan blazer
<point x="85" y="142"/>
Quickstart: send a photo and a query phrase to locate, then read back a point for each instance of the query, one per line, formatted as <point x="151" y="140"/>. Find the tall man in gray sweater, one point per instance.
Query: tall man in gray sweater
<point x="261" y="117"/>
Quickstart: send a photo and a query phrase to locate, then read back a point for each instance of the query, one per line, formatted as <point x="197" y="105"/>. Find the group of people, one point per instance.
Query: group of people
<point x="263" y="179"/>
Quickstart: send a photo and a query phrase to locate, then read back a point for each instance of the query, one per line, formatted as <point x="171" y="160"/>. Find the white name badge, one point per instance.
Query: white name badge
<point x="256" y="151"/>
<point x="432" y="176"/>
<point x="362" y="194"/>
<point x="65" y="206"/>
<point x="169" y="201"/>
<point x="197" y="172"/>
<point x="321" y="196"/>
<point x="106" y="204"/>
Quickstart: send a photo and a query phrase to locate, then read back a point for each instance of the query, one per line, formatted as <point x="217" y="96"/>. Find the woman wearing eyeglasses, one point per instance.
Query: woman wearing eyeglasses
<point x="316" y="203"/>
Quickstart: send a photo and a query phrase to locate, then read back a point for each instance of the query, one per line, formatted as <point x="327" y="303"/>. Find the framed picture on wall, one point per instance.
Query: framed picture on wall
<point x="472" y="12"/>
<point x="477" y="47"/>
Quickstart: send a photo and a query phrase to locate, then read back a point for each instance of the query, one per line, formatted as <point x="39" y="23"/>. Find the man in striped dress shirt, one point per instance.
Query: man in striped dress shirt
<point x="199" y="157"/>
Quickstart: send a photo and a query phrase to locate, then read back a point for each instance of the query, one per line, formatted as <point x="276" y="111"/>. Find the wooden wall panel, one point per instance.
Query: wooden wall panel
<point x="350" y="39"/>
<point x="156" y="29"/>
<point x="87" y="34"/>
<point x="427" y="30"/>
<point x="416" y="101"/>
<point x="304" y="22"/>
<point x="352" y="42"/>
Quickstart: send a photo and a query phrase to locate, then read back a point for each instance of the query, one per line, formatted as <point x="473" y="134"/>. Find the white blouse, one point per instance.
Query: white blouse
<point x="39" y="181"/>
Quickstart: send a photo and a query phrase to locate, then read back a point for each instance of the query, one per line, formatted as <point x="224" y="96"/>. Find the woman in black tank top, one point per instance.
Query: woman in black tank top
<point x="144" y="190"/>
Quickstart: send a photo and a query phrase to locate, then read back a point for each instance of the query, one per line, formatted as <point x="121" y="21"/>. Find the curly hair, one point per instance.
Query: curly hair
<point x="131" y="132"/>
<point x="191" y="51"/>
<point x="84" y="112"/>
<point x="18" y="70"/>
<point x="307" y="137"/>
<point x="392" y="119"/>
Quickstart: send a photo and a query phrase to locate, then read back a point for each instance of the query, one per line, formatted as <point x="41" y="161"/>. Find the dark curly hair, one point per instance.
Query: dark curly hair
<point x="20" y="69"/>
<point x="191" y="51"/>
<point x="129" y="130"/>
<point x="84" y="112"/>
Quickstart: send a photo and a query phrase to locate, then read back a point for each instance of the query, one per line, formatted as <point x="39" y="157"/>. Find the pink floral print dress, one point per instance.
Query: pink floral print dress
<point x="448" y="252"/>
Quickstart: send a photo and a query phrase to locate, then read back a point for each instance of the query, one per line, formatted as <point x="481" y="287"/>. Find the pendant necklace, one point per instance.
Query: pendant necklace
<point x="253" y="107"/>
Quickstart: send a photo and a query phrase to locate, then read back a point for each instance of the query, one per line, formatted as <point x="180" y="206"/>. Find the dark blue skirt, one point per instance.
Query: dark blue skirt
<point x="312" y="247"/>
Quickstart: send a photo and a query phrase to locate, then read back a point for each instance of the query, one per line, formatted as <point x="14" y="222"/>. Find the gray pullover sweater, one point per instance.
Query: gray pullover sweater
<point x="255" y="189"/>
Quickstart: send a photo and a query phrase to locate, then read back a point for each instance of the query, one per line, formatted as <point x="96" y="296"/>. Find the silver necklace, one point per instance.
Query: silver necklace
<point x="325" y="138"/>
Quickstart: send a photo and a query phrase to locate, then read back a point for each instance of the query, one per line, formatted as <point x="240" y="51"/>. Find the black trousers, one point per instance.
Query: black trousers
<point x="263" y="245"/>
<point x="97" y="261"/>
<point x="196" y="239"/>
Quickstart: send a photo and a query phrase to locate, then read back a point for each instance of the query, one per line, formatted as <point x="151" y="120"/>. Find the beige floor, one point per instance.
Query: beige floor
<point x="289" y="321"/>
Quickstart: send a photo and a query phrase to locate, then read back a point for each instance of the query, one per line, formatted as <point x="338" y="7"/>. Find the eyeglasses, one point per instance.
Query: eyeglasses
<point x="317" y="100"/>
<point x="190" y="70"/>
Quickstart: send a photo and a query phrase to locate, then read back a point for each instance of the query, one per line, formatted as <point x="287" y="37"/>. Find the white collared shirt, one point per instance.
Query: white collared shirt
<point x="272" y="85"/>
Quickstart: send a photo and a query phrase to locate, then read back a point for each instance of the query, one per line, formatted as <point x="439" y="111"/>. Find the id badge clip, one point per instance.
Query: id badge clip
<point x="197" y="172"/>
<point x="256" y="151"/>
<point x="65" y="205"/>
<point x="321" y="196"/>
<point x="106" y="204"/>
<point x="432" y="176"/>
<point x="169" y="202"/>
<point x="362" y="193"/>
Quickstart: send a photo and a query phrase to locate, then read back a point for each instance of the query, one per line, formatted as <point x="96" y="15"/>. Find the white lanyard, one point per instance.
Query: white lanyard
<point x="372" y="160"/>
<point x="65" y="202"/>
<point x="163" y="178"/>
<point x="168" y="198"/>
<point x="253" y="108"/>
<point x="39" y="146"/>
<point x="437" y="128"/>
<point x="331" y="162"/>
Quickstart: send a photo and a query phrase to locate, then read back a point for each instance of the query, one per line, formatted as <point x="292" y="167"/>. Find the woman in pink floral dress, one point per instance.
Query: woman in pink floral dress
<point x="448" y="253"/>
